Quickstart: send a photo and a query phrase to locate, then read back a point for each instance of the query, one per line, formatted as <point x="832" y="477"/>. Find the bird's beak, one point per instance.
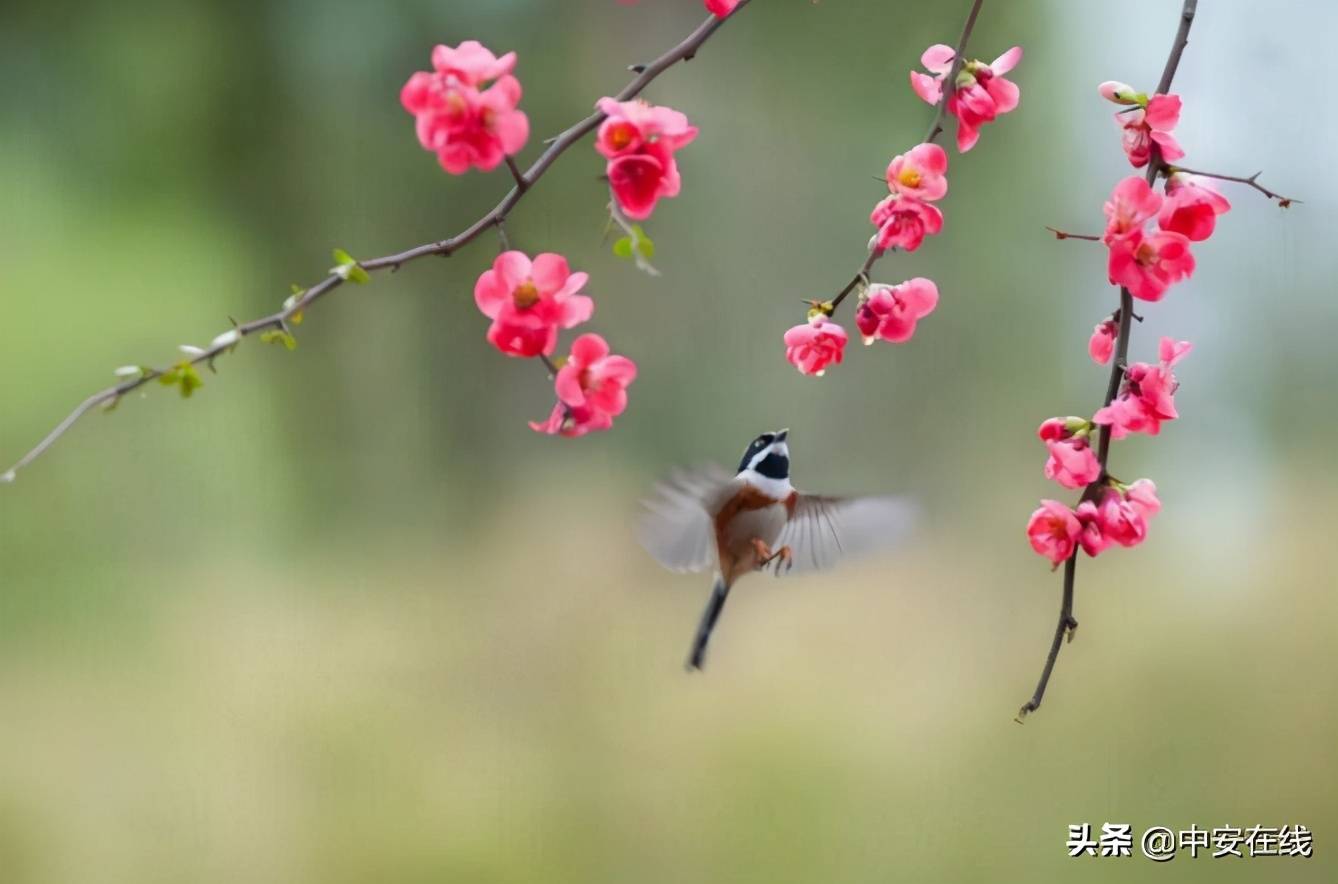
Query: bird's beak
<point x="781" y="434"/>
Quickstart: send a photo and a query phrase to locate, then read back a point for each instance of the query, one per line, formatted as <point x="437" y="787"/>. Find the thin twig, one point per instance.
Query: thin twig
<point x="935" y="129"/>
<point x="1117" y="367"/>
<point x="1064" y="234"/>
<point x="1250" y="180"/>
<point x="685" y="49"/>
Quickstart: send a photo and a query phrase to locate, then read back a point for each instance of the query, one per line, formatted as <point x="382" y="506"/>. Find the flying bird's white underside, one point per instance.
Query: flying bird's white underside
<point x="677" y="529"/>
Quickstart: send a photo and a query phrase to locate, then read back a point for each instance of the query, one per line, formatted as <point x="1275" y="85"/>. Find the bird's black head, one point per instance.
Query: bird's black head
<point x="768" y="455"/>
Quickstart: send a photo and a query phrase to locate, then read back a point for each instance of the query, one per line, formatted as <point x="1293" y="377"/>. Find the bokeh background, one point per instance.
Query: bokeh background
<point x="342" y="617"/>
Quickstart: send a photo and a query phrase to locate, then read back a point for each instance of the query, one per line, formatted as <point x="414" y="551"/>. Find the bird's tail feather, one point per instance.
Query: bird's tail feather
<point x="709" y="617"/>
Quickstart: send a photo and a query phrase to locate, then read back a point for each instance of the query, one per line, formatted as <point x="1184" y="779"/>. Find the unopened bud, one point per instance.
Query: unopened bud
<point x="1121" y="93"/>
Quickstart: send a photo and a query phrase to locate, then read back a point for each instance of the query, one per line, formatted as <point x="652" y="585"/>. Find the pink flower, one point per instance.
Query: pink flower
<point x="919" y="172"/>
<point x="903" y="222"/>
<point x="471" y="63"/>
<point x="1146" y="126"/>
<point x="1072" y="463"/>
<point x="467" y="127"/>
<point x="981" y="93"/>
<point x="1148" y="264"/>
<point x="891" y="312"/>
<point x="1120" y="520"/>
<point x="1090" y="537"/>
<point x="591" y="389"/>
<point x="529" y="301"/>
<point x="566" y="420"/>
<point x="639" y="141"/>
<point x="1143" y="496"/>
<point x="721" y="8"/>
<point x="1053" y="531"/>
<point x="1191" y="207"/>
<point x="1102" y="343"/>
<point x="816" y="344"/>
<point x="1131" y="203"/>
<point x="1147" y="396"/>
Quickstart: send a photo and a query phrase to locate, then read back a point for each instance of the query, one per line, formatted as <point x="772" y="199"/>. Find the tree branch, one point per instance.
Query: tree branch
<point x="1064" y="234"/>
<point x="1117" y="366"/>
<point x="684" y="50"/>
<point x="1252" y="181"/>
<point x="935" y="129"/>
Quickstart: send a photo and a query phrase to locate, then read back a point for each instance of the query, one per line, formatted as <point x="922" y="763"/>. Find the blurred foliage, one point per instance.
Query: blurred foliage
<point x="342" y="617"/>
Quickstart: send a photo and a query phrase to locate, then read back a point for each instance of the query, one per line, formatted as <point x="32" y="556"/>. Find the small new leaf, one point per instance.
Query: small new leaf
<point x="184" y="377"/>
<point x="347" y="266"/>
<point x="636" y="246"/>
<point x="279" y="336"/>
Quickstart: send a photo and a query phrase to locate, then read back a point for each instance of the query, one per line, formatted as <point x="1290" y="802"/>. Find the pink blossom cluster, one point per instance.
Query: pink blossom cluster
<point x="916" y="181"/>
<point x="1148" y="235"/>
<point x="980" y="93"/>
<point x="1118" y="515"/>
<point x="471" y="124"/>
<point x="639" y="141"/>
<point x="1148" y="258"/>
<point x="528" y="301"/>
<point x="463" y="123"/>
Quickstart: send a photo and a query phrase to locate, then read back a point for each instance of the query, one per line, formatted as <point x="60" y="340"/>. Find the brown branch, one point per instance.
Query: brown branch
<point x="1117" y="365"/>
<point x="686" y="49"/>
<point x="1064" y="234"/>
<point x="935" y="129"/>
<point x="1251" y="180"/>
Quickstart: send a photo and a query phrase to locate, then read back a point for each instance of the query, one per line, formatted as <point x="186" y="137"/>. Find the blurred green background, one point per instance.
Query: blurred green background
<point x="342" y="617"/>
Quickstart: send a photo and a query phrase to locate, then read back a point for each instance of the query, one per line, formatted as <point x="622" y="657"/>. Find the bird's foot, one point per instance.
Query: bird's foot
<point x="762" y="553"/>
<point x="783" y="557"/>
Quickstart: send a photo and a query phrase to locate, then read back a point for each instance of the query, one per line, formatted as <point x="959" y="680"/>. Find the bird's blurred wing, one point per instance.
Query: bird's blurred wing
<point x="676" y="526"/>
<point x="826" y="530"/>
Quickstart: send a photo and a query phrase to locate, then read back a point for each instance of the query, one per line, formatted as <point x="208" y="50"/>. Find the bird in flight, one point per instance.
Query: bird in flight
<point x="705" y="518"/>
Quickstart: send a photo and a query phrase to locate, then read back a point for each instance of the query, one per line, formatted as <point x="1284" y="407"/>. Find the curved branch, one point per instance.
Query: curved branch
<point x="1117" y="366"/>
<point x="685" y="50"/>
<point x="935" y="129"/>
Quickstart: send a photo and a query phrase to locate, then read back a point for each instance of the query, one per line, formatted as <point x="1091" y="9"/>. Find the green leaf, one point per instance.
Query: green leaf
<point x="347" y="266"/>
<point x="183" y="376"/>
<point x="646" y="247"/>
<point x="279" y="336"/>
<point x="190" y="381"/>
<point x="623" y="247"/>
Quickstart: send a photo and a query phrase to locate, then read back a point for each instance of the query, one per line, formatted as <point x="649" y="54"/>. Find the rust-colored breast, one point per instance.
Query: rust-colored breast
<point x="737" y="555"/>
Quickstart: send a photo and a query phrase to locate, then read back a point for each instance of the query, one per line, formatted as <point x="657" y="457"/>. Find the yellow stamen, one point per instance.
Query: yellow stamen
<point x="526" y="295"/>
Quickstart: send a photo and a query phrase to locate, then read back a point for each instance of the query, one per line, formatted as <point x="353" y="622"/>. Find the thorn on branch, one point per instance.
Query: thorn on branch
<point x="522" y="183"/>
<point x="641" y="68"/>
<point x="1064" y="234"/>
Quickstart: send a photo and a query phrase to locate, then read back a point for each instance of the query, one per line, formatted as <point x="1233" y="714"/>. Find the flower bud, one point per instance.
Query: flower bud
<point x="230" y="338"/>
<point x="1121" y="93"/>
